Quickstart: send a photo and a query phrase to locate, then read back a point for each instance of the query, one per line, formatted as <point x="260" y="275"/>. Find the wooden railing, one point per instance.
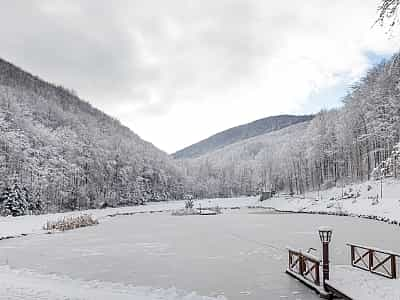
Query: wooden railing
<point x="304" y="264"/>
<point x="374" y="260"/>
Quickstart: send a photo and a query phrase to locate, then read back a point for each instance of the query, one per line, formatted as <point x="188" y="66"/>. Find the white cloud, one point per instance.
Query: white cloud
<point x="179" y="71"/>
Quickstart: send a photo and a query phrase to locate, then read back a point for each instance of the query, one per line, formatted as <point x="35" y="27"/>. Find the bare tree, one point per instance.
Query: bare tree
<point x="388" y="10"/>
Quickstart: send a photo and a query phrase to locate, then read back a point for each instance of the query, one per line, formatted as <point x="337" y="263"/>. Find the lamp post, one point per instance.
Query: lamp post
<point x="325" y="235"/>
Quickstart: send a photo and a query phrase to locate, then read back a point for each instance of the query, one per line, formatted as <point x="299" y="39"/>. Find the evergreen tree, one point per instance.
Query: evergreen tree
<point x="14" y="201"/>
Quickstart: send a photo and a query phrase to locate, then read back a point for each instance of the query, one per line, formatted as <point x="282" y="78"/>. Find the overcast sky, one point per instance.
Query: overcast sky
<point x="176" y="72"/>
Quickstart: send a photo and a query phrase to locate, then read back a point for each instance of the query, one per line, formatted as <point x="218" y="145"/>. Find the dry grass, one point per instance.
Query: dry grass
<point x="185" y="212"/>
<point x="69" y="223"/>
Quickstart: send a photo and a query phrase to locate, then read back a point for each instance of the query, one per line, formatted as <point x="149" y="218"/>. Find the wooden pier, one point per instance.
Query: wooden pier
<point x="371" y="275"/>
<point x="306" y="268"/>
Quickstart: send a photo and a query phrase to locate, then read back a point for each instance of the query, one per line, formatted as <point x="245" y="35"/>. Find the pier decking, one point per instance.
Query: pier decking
<point x="352" y="283"/>
<point x="372" y="274"/>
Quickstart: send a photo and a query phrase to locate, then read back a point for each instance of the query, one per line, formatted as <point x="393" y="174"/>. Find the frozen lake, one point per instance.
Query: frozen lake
<point x="240" y="254"/>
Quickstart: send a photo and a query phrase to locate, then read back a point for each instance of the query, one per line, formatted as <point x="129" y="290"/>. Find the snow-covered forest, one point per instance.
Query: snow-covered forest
<point x="59" y="153"/>
<point x="338" y="146"/>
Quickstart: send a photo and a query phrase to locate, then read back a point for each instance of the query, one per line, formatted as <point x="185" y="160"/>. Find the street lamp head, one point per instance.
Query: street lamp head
<point x="325" y="234"/>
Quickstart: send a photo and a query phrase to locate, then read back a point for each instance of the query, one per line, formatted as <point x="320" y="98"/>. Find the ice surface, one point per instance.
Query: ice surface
<point x="239" y="254"/>
<point x="13" y="226"/>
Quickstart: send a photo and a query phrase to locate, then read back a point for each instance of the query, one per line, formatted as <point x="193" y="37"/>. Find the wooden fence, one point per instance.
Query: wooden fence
<point x="374" y="260"/>
<point x="305" y="264"/>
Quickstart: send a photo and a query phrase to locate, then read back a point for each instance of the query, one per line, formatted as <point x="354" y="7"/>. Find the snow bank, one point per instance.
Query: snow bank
<point x="24" y="284"/>
<point x="361" y="199"/>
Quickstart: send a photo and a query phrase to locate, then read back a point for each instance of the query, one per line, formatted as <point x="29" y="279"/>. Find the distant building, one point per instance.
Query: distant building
<point x="266" y="195"/>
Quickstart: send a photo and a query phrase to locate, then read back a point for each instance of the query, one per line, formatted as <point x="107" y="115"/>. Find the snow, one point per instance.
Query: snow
<point x="328" y="201"/>
<point x="368" y="204"/>
<point x="362" y="285"/>
<point x="24" y="284"/>
<point x="303" y="253"/>
<point x="28" y="284"/>
<point x="325" y="228"/>
<point x="238" y="254"/>
<point x="375" y="249"/>
<point x="33" y="224"/>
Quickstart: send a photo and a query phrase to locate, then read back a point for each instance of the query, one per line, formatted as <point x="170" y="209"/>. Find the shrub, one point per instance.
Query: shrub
<point x="189" y="204"/>
<point x="69" y="223"/>
<point x="185" y="212"/>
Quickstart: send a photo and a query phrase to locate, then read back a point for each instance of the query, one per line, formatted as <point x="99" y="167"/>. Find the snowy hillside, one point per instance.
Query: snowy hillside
<point x="239" y="133"/>
<point x="362" y="199"/>
<point x="243" y="167"/>
<point x="65" y="154"/>
<point x="339" y="145"/>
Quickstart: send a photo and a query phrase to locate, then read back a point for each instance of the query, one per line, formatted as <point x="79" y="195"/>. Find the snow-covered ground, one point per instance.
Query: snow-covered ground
<point x="366" y="200"/>
<point x="24" y="284"/>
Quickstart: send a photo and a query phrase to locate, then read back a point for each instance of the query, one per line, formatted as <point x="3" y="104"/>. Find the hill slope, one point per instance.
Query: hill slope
<point x="239" y="133"/>
<point x="245" y="167"/>
<point x="68" y="154"/>
<point x="353" y="143"/>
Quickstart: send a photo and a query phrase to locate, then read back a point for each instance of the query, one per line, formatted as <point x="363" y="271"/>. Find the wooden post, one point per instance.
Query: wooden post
<point x="371" y="260"/>
<point x="352" y="254"/>
<point x="317" y="282"/>
<point x="393" y="263"/>
<point x="301" y="265"/>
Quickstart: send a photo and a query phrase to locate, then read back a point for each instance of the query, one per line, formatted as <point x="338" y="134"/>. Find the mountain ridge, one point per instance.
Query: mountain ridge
<point x="239" y="133"/>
